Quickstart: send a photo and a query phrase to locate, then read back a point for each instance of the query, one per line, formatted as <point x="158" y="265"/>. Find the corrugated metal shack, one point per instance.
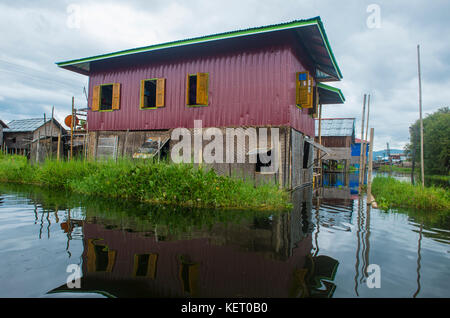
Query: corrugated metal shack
<point x="244" y="78"/>
<point x="33" y="137"/>
<point x="338" y="134"/>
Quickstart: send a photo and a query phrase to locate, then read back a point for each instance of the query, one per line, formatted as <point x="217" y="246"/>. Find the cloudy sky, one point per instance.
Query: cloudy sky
<point x="376" y="56"/>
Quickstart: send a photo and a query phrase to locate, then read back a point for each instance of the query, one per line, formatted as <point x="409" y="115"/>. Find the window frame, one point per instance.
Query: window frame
<point x="188" y="86"/>
<point x="100" y="98"/>
<point x="156" y="92"/>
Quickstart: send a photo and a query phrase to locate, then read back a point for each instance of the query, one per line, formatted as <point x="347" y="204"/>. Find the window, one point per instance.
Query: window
<point x="152" y="93"/>
<point x="197" y="89"/>
<point x="99" y="257"/>
<point x="145" y="265"/>
<point x="259" y="160"/>
<point x="106" y="97"/>
<point x="304" y="90"/>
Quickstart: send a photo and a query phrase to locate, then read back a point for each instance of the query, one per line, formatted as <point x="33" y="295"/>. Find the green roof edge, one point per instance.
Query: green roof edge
<point x="231" y="34"/>
<point x="332" y="89"/>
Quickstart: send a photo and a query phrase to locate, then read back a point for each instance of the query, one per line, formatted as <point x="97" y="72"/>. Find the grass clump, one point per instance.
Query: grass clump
<point x="391" y="193"/>
<point x="146" y="181"/>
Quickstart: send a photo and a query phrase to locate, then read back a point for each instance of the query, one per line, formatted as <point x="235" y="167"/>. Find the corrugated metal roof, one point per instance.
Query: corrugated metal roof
<point x="324" y="56"/>
<point x="24" y="125"/>
<point x="336" y="127"/>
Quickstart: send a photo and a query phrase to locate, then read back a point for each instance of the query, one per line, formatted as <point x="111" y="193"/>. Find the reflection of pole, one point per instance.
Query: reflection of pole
<point x="361" y="144"/>
<point x="421" y="121"/>
<point x="316" y="236"/>
<point x="419" y="257"/>
<point x="358" y="221"/>
<point x="367" y="236"/>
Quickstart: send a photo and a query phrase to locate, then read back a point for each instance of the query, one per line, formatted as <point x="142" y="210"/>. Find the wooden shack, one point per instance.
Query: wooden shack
<point x="337" y="134"/>
<point x="32" y="136"/>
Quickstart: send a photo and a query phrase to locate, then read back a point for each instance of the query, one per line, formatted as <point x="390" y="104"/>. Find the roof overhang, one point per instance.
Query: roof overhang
<point x="310" y="32"/>
<point x="329" y="94"/>
<point x="3" y="124"/>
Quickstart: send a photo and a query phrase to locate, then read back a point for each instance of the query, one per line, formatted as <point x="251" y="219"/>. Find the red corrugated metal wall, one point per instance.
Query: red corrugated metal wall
<point x="252" y="86"/>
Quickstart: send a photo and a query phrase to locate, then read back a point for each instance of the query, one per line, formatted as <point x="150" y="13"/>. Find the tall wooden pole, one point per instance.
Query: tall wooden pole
<point x="361" y="180"/>
<point x="421" y="121"/>
<point x="365" y="138"/>
<point x="58" y="147"/>
<point x="320" y="142"/>
<point x="51" y="133"/>
<point x="71" y="129"/>
<point x="369" y="173"/>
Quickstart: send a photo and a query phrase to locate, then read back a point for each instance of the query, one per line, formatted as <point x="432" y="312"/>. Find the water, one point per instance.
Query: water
<point x="324" y="247"/>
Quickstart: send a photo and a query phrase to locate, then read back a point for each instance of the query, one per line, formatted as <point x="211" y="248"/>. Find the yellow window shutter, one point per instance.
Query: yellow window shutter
<point x="116" y="96"/>
<point x="202" y="88"/>
<point x="309" y="84"/>
<point x="187" y="89"/>
<point x="160" y="90"/>
<point x="111" y="260"/>
<point x="96" y="98"/>
<point x="142" y="94"/>
<point x="297" y="89"/>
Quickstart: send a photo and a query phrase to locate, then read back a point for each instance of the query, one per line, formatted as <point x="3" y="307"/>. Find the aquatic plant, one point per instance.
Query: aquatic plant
<point x="147" y="181"/>
<point x="392" y="193"/>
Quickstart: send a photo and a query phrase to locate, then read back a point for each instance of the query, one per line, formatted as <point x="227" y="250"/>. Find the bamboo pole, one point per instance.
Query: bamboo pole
<point x="421" y="121"/>
<point x="361" y="144"/>
<point x="365" y="138"/>
<point x="369" y="173"/>
<point x="51" y="132"/>
<point x="320" y="142"/>
<point x="71" y="129"/>
<point x="58" y="147"/>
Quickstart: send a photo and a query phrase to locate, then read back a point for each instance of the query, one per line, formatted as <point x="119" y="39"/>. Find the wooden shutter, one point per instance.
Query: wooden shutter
<point x="96" y="98"/>
<point x="297" y="89"/>
<point x="202" y="88"/>
<point x="142" y="94"/>
<point x="187" y="89"/>
<point x="310" y="92"/>
<point x="116" y="96"/>
<point x="160" y="90"/>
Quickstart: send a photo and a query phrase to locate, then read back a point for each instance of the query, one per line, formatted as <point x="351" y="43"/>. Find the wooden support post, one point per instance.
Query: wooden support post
<point x="421" y="121"/>
<point x="361" y="180"/>
<point x="71" y="128"/>
<point x="319" y="161"/>
<point x="38" y="146"/>
<point x="369" y="173"/>
<point x="58" y="149"/>
<point x="365" y="139"/>
<point x="51" y="132"/>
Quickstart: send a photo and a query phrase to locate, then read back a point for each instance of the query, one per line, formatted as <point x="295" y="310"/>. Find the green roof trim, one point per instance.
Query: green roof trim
<point x="332" y="89"/>
<point x="220" y="36"/>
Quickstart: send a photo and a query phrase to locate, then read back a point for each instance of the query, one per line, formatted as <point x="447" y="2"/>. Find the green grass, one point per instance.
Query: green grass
<point x="391" y="193"/>
<point x="164" y="183"/>
<point x="387" y="168"/>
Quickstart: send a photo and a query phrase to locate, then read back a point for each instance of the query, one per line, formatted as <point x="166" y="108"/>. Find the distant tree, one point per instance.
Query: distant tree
<point x="436" y="142"/>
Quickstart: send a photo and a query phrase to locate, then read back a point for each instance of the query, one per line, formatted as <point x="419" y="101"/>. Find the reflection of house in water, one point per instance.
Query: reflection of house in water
<point x="259" y="257"/>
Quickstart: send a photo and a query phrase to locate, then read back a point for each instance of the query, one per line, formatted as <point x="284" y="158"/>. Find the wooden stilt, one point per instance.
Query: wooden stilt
<point x="369" y="173"/>
<point x="361" y="146"/>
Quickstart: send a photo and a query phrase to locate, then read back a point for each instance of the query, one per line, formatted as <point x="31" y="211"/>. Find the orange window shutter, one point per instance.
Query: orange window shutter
<point x="202" y="88"/>
<point x="160" y="91"/>
<point x="187" y="89"/>
<point x="96" y="98"/>
<point x="116" y="96"/>
<point x="142" y="94"/>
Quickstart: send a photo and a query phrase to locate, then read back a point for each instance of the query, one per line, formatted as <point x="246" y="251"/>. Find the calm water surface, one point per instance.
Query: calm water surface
<point x="322" y="248"/>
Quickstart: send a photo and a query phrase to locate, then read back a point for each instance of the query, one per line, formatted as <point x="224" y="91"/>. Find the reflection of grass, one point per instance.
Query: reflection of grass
<point x="160" y="183"/>
<point x="132" y="215"/>
<point x="391" y="193"/>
